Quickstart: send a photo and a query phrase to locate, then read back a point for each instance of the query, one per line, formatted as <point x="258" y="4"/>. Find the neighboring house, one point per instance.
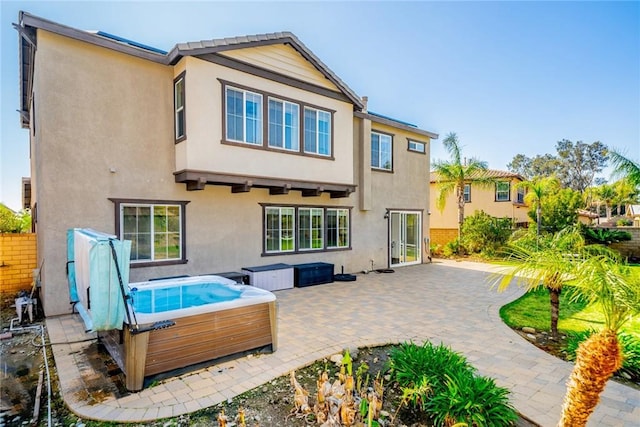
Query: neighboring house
<point x="502" y="200"/>
<point x="633" y="212"/>
<point x="217" y="155"/>
<point x="587" y="217"/>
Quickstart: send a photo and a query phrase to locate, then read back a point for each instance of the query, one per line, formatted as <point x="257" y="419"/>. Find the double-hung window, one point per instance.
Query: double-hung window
<point x="244" y="116"/>
<point x="381" y="151"/>
<point x="520" y="195"/>
<point x="179" y="107"/>
<point x="284" y="130"/>
<point x="466" y="193"/>
<point x="279" y="229"/>
<point x="310" y="228"/>
<point x="503" y="191"/>
<point x="156" y="230"/>
<point x="317" y="131"/>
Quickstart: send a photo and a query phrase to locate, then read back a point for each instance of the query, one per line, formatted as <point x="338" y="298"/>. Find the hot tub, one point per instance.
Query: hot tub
<point x="212" y="317"/>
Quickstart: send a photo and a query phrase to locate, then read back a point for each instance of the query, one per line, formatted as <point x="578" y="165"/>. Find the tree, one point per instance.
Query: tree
<point x="600" y="279"/>
<point x="11" y="222"/>
<point x="559" y="210"/>
<point x="626" y="167"/>
<point x="605" y="194"/>
<point x="453" y="174"/>
<point x="536" y="167"/>
<point x="538" y="190"/>
<point x="626" y="193"/>
<point x="581" y="162"/>
<point x="541" y="262"/>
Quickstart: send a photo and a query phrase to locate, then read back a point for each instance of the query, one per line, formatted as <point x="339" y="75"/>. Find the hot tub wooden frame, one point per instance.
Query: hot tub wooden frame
<point x="193" y="339"/>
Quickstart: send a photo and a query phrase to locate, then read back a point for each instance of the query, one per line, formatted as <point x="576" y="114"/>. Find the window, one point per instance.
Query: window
<point x="502" y="191"/>
<point x="418" y="147"/>
<point x="317" y="131"/>
<point x="284" y="131"/>
<point x="156" y="230"/>
<point x="337" y="228"/>
<point x="310" y="228"/>
<point x="317" y="229"/>
<point x="244" y="116"/>
<point x="467" y="193"/>
<point x="520" y="195"/>
<point x="280" y="223"/>
<point x="381" y="149"/>
<point x="179" y="107"/>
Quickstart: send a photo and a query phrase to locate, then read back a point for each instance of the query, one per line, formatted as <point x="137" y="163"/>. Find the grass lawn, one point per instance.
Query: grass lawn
<point x="533" y="309"/>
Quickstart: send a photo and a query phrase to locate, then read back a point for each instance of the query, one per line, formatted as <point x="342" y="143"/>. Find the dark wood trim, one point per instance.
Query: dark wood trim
<point x="273" y="76"/>
<point x="180" y="76"/>
<point x="117" y="202"/>
<point x="392" y="136"/>
<point x="243" y="183"/>
<point x="296" y="250"/>
<point x="410" y="140"/>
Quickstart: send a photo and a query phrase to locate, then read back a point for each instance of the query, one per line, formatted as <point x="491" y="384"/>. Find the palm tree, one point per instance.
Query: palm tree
<point x="624" y="166"/>
<point x="537" y="191"/>
<point x="453" y="174"/>
<point x="626" y="193"/>
<point x="604" y="280"/>
<point x="606" y="194"/>
<point x="542" y="262"/>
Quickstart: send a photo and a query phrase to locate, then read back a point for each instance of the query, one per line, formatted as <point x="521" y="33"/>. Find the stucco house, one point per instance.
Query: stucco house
<point x="214" y="156"/>
<point x="502" y="200"/>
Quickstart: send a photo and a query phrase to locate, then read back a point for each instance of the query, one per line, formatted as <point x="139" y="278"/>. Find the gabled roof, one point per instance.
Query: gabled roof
<point x="28" y="24"/>
<point x="488" y="173"/>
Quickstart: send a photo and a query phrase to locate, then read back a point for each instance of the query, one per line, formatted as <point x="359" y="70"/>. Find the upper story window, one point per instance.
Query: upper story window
<point x="418" y="147"/>
<point x="503" y="190"/>
<point x="284" y="130"/>
<point x="466" y="193"/>
<point x="244" y="116"/>
<point x="156" y="230"/>
<point x="317" y="131"/>
<point x="520" y="195"/>
<point x="179" y="107"/>
<point x="381" y="151"/>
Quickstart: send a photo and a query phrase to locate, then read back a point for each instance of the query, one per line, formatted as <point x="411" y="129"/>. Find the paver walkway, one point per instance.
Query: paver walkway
<point x="445" y="301"/>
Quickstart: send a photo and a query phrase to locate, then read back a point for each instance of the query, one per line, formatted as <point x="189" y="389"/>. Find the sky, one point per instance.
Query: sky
<point x="507" y="77"/>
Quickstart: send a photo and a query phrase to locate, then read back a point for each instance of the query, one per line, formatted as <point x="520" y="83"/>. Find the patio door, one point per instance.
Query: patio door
<point x="405" y="236"/>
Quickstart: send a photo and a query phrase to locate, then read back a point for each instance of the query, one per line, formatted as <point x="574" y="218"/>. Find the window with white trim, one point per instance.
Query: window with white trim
<point x="317" y="131"/>
<point x="284" y="130"/>
<point x="279" y="229"/>
<point x="418" y="147"/>
<point x="503" y="190"/>
<point x="520" y="195"/>
<point x="244" y="116"/>
<point x="381" y="151"/>
<point x="155" y="231"/>
<point x="337" y="228"/>
<point x="179" y="107"/>
<point x="466" y="193"/>
<point x="310" y="228"/>
<point x="316" y="229"/>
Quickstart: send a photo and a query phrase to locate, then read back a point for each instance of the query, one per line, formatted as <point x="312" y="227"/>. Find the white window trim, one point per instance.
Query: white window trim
<point x="338" y="211"/>
<point x="284" y="125"/>
<point x="260" y="132"/>
<point x="380" y="135"/>
<point x="507" y="192"/>
<point x="415" y="146"/>
<point x="152" y="233"/>
<point x="181" y="109"/>
<point x="466" y="194"/>
<point x="317" y="131"/>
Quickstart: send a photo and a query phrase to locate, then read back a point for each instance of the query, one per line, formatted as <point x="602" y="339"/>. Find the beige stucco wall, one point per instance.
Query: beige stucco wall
<point x="202" y="150"/>
<point x="105" y="130"/>
<point x="96" y="111"/>
<point x="482" y="199"/>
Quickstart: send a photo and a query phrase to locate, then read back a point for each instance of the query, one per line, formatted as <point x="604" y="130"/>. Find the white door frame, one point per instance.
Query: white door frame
<point x="404" y="249"/>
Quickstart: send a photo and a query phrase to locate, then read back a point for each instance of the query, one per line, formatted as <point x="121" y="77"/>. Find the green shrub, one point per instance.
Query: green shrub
<point x="483" y="233"/>
<point x="631" y="350"/>
<point x="473" y="400"/>
<point x="605" y="236"/>
<point x="451" y="248"/>
<point x="624" y="222"/>
<point x="574" y="340"/>
<point x="443" y="384"/>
